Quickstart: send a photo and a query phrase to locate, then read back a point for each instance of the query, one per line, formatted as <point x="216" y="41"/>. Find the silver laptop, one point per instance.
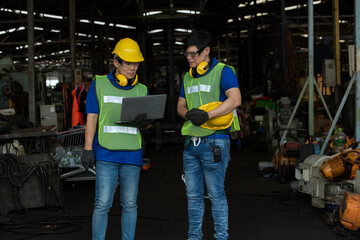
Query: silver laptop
<point x="153" y="106"/>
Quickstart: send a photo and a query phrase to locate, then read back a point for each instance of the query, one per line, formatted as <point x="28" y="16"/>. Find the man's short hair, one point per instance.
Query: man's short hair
<point x="118" y="58"/>
<point x="201" y="39"/>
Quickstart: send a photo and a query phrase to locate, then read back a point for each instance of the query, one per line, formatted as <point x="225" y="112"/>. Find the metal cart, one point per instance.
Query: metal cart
<point x="68" y="153"/>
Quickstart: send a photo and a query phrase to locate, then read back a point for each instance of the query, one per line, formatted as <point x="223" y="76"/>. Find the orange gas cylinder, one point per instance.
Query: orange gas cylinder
<point x="332" y="168"/>
<point x="349" y="211"/>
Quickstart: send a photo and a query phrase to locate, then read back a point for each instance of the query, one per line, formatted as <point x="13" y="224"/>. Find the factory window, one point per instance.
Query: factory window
<point x="51" y="81"/>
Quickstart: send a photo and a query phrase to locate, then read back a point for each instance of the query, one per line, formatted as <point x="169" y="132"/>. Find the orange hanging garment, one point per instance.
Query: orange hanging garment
<point x="77" y="117"/>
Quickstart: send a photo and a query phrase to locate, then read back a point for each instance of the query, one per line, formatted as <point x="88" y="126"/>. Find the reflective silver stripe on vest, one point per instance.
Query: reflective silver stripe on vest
<point x="121" y="129"/>
<point x="235" y="113"/>
<point x="198" y="88"/>
<point x="113" y="99"/>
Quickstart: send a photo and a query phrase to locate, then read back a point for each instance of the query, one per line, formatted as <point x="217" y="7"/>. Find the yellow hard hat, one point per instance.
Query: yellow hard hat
<point x="128" y="50"/>
<point x="217" y="123"/>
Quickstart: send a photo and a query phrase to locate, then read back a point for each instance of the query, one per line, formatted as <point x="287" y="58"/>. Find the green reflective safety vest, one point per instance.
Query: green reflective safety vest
<point x="111" y="135"/>
<point x="202" y="90"/>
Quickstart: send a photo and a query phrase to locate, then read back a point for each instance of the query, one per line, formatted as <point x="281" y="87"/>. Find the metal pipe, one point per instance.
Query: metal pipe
<point x="283" y="39"/>
<point x="31" y="53"/>
<point x="336" y="42"/>
<point x="357" y="69"/>
<point x="72" y="37"/>
<point x="338" y="113"/>
<point x="311" y="67"/>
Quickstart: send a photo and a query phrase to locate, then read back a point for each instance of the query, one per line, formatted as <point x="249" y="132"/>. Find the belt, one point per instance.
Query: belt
<point x="221" y="134"/>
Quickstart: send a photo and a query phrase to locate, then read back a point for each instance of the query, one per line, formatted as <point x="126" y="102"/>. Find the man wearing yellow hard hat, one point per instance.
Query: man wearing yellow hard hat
<point x="208" y="98"/>
<point x="116" y="148"/>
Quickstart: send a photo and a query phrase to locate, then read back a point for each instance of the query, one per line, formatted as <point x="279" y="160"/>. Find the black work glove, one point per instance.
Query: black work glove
<point x="197" y="116"/>
<point x="141" y="121"/>
<point x="88" y="159"/>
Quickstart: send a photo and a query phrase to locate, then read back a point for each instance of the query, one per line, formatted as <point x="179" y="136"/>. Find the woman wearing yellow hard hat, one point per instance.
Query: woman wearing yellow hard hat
<point x="117" y="148"/>
<point x="209" y="95"/>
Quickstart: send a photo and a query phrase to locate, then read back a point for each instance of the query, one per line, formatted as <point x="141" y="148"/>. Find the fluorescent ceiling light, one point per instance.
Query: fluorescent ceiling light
<point x="21" y="12"/>
<point x="14" y="11"/>
<point x="188" y="11"/>
<point x="230" y="20"/>
<point x="151" y="13"/>
<point x="21" y="47"/>
<point x="260" y="1"/>
<point x="183" y="30"/>
<point x="179" y="43"/>
<point x="125" y="26"/>
<point x="99" y="22"/>
<point x="50" y="16"/>
<point x="110" y="24"/>
<point x="157" y="44"/>
<point x="262" y="14"/>
<point x="292" y="7"/>
<point x="156" y="31"/>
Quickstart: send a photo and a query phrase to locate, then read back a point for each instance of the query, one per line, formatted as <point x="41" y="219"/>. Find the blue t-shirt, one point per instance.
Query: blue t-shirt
<point x="103" y="154"/>
<point x="228" y="80"/>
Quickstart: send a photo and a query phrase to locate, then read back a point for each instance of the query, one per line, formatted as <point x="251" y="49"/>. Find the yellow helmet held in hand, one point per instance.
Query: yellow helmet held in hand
<point x="217" y="123"/>
<point x="128" y="50"/>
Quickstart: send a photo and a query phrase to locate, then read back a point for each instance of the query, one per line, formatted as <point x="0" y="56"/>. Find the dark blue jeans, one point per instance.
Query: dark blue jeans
<point x="201" y="170"/>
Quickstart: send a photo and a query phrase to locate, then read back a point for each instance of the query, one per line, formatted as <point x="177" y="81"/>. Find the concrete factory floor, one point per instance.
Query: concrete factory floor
<point x="260" y="208"/>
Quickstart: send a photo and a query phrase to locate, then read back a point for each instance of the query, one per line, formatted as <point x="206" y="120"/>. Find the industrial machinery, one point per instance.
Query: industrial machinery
<point x="317" y="172"/>
<point x="349" y="211"/>
<point x="284" y="160"/>
<point x="29" y="181"/>
<point x="275" y="123"/>
<point x="310" y="180"/>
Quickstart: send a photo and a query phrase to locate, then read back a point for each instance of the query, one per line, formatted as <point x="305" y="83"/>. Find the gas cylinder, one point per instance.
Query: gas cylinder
<point x="339" y="140"/>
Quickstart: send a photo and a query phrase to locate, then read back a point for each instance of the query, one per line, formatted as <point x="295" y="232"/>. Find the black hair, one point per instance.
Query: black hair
<point x="120" y="61"/>
<point x="201" y="39"/>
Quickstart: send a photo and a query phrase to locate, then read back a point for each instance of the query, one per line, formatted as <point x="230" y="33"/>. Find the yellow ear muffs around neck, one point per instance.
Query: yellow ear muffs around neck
<point x="123" y="81"/>
<point x="201" y="69"/>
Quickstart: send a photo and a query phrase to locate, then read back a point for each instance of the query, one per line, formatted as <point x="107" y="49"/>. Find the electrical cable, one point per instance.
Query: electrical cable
<point x="59" y="225"/>
<point x="10" y="166"/>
